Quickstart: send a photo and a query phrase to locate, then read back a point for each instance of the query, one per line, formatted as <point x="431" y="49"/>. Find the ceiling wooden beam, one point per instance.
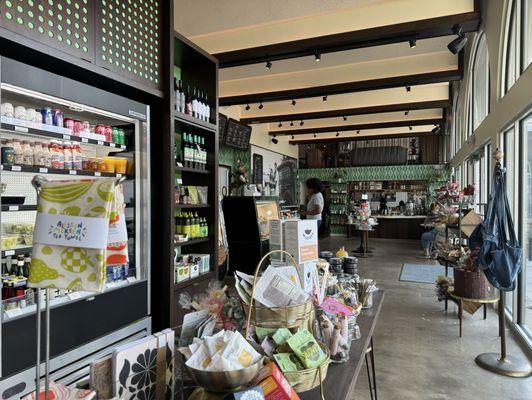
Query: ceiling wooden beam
<point x="378" y="36"/>
<point x="362" y="137"/>
<point x="418" y="105"/>
<point x="346" y="87"/>
<point x="343" y="128"/>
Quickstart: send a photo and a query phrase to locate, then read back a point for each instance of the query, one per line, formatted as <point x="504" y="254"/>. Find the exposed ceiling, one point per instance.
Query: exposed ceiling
<point x="367" y="72"/>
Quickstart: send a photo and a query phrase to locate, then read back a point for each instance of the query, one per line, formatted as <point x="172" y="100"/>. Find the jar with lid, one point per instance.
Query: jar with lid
<point x="18" y="152"/>
<point x="27" y="153"/>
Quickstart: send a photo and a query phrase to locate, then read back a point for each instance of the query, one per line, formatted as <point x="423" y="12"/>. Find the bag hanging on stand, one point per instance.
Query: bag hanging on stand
<point x="499" y="256"/>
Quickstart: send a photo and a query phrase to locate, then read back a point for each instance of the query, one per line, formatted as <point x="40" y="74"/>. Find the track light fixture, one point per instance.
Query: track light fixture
<point x="457" y="44"/>
<point x="407" y="112"/>
<point x="325" y="98"/>
<point x="412" y="43"/>
<point x="345" y="118"/>
<point x="293" y="102"/>
<point x="301" y="123"/>
<point x="293" y="137"/>
<point x="337" y="133"/>
<point x="410" y="128"/>
<point x="436" y="130"/>
<point x="248" y="107"/>
<point x="315" y="136"/>
<point x="291" y="123"/>
<point x="317" y="56"/>
<point x="261" y="106"/>
<point x="275" y="141"/>
<point x="280" y="124"/>
<point x="408" y="88"/>
<point x="358" y="131"/>
<point x="268" y="64"/>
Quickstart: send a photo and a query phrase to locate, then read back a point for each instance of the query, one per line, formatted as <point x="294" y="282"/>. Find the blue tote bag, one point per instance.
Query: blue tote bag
<point x="499" y="252"/>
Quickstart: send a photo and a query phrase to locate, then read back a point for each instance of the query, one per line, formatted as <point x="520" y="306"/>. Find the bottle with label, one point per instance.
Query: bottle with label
<point x="27" y="263"/>
<point x="207" y="109"/>
<point x="14" y="266"/>
<point x="181" y="97"/>
<point x="20" y="266"/>
<point x="188" y="102"/>
<point x="177" y="96"/>
<point x="5" y="270"/>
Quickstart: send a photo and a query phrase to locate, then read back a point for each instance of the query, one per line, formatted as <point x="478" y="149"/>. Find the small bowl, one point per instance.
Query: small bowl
<point x="224" y="381"/>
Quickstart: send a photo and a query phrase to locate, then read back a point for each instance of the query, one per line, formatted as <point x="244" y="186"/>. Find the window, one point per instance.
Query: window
<point x="508" y="148"/>
<point x="511" y="55"/>
<point x="527" y="33"/>
<point x="525" y="286"/>
<point x="479" y="83"/>
<point x="456" y="126"/>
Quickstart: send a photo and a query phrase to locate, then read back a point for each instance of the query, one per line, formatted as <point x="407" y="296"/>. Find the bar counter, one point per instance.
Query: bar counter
<point x="396" y="227"/>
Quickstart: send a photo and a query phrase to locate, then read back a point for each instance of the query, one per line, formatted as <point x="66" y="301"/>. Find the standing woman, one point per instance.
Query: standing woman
<point x="314" y="199"/>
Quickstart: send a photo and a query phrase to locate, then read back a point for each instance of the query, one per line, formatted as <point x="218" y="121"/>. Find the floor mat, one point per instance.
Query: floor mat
<point x="422" y="273"/>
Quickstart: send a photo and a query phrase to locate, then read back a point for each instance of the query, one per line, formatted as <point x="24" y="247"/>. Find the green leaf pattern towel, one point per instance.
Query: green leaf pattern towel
<point x="72" y="268"/>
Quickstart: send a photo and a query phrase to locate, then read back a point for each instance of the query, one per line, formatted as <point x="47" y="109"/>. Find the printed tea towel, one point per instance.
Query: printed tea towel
<point x="71" y="232"/>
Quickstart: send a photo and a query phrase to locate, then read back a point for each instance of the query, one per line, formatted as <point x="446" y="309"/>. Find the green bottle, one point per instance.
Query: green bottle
<point x="204" y="228"/>
<point x="196" y="225"/>
<point x="186" y="228"/>
<point x="178" y="227"/>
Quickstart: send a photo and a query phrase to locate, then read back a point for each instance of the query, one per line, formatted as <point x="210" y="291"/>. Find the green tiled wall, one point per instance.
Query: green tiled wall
<point x="229" y="155"/>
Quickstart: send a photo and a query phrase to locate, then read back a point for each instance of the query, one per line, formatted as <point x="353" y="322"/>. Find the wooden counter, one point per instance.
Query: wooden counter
<point x="341" y="378"/>
<point x="396" y="227"/>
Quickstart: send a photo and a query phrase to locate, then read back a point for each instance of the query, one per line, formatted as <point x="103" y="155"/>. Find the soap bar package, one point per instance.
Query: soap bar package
<point x="274" y="384"/>
<point x="277" y="239"/>
<point x="253" y="393"/>
<point x="307" y="349"/>
<point x="203" y="261"/>
<point x="301" y="239"/>
<point x="284" y="361"/>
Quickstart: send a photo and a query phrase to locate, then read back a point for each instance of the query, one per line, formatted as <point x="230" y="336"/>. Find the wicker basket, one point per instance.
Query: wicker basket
<point x="282" y="317"/>
<point x="471" y="285"/>
<point x="308" y="379"/>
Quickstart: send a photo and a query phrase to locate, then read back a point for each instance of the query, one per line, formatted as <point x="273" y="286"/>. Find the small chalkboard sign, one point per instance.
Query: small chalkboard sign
<point x="258" y="169"/>
<point x="222" y="127"/>
<point x="237" y="134"/>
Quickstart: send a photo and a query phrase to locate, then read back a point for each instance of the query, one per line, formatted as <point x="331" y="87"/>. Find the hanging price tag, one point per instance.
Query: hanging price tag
<point x="9" y="252"/>
<point x="16" y="168"/>
<point x="112" y="144"/>
<point x="73" y="172"/>
<point x="13" y="208"/>
<point x="84" y="140"/>
<point x="43" y="170"/>
<point x="97" y="173"/>
<point x="21" y="129"/>
<point x="67" y="137"/>
<point x="100" y="142"/>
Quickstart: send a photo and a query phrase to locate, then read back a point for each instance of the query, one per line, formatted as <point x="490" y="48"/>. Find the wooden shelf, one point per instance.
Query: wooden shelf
<point x="22" y="130"/>
<point x="194" y="122"/>
<point x="182" y="206"/>
<point x="190" y="282"/>
<point x="192" y="241"/>
<point x="194" y="170"/>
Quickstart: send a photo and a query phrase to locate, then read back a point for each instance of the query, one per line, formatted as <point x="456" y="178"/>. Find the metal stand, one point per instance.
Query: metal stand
<point x="504" y="364"/>
<point x="372" y="376"/>
<point x="47" y="346"/>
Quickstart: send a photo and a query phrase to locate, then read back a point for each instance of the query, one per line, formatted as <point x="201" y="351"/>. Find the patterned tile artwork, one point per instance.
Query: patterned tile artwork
<point x="229" y="155"/>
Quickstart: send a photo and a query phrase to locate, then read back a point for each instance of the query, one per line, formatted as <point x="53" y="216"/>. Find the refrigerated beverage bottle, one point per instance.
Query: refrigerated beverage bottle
<point x="181" y="97"/>
<point x="207" y="109"/>
<point x="27" y="263"/>
<point x="197" y="225"/>
<point x="20" y="266"/>
<point x="184" y="146"/>
<point x="5" y="270"/>
<point x="204" y="153"/>
<point x="178" y="228"/>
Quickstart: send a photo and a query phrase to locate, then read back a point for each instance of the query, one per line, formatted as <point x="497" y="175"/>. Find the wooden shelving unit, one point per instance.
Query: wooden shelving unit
<point x="195" y="68"/>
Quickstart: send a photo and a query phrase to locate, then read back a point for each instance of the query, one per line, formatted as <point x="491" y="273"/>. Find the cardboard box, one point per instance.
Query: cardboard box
<point x="276" y="239"/>
<point x="301" y="239"/>
<point x="274" y="384"/>
<point x="308" y="275"/>
<point x="183" y="272"/>
<point x="194" y="270"/>
<point x="204" y="262"/>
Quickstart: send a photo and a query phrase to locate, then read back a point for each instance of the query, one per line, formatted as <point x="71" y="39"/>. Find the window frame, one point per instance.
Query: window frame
<point x="513" y="17"/>
<point x="481" y="44"/>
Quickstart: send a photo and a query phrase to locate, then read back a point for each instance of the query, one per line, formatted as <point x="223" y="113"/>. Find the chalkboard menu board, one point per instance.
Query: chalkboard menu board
<point x="237" y="134"/>
<point x="222" y="127"/>
<point x="258" y="169"/>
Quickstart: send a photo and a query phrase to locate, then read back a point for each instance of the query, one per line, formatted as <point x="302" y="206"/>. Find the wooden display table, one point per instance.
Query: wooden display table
<point x="341" y="378"/>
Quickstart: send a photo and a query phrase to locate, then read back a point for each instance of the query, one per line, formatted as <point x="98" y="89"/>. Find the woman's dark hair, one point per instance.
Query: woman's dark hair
<point x="314" y="184"/>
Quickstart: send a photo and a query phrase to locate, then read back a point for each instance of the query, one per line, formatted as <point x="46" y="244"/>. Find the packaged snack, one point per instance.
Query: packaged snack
<point x="306" y="348"/>
<point x="284" y="361"/>
<point x="281" y="336"/>
<point x="274" y="384"/>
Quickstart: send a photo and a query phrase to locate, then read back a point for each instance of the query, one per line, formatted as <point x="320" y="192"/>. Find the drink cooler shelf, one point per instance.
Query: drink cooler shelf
<point x="21" y="207"/>
<point x="194" y="122"/>
<point x="183" y="206"/>
<point x="55" y="171"/>
<point x="23" y="130"/>
<point x="192" y="241"/>
<point x="194" y="170"/>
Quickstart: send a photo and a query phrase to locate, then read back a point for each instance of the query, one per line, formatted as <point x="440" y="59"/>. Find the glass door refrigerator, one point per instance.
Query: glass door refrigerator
<point x="100" y="135"/>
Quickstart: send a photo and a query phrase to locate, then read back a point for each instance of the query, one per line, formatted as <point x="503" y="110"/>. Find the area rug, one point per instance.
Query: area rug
<point x="422" y="273"/>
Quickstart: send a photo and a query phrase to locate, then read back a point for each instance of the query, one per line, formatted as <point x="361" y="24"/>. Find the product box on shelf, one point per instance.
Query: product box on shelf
<point x="274" y="384"/>
<point x="276" y="238"/>
<point x="182" y="272"/>
<point x="301" y="239"/>
<point x="194" y="270"/>
<point x="308" y="274"/>
<point x="204" y="262"/>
